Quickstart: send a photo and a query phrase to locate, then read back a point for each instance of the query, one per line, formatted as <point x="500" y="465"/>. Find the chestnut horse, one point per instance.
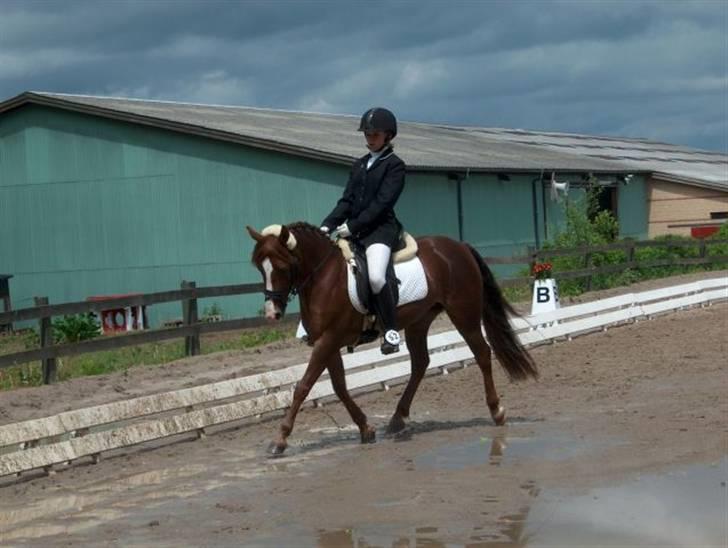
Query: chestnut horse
<point x="300" y="259"/>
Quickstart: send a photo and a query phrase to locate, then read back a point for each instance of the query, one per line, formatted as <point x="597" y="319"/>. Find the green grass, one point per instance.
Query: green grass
<point x="99" y="363"/>
<point x="517" y="294"/>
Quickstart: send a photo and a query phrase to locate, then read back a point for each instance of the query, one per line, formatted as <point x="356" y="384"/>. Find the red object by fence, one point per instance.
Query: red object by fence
<point x="703" y="231"/>
<point x="121" y="319"/>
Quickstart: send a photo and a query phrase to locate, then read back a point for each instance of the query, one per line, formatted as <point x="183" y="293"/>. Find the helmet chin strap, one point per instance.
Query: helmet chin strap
<point x="384" y="146"/>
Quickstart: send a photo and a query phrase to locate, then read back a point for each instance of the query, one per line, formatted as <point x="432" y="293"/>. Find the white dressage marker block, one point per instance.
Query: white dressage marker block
<point x="545" y="296"/>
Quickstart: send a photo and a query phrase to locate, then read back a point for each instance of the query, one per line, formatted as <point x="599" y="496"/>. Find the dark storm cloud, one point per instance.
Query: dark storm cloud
<point x="648" y="69"/>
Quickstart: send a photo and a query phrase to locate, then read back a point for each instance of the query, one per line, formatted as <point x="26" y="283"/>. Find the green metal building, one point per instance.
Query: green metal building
<point x="104" y="196"/>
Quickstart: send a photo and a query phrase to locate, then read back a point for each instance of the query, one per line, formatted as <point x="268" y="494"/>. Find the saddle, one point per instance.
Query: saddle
<point x="355" y="255"/>
<point x="405" y="250"/>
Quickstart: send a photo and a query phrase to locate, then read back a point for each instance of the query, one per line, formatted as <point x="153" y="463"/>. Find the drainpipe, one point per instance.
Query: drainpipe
<point x="534" y="200"/>
<point x="545" y="210"/>
<point x="459" y="178"/>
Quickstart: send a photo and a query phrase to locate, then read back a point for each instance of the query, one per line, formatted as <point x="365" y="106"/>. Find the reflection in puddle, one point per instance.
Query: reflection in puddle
<point x="500" y="449"/>
<point x="683" y="508"/>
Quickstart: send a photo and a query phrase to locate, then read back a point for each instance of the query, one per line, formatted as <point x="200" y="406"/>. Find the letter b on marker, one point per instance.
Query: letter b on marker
<point x="542" y="295"/>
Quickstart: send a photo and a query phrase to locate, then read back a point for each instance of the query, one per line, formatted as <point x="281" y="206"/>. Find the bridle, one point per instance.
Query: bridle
<point x="283" y="297"/>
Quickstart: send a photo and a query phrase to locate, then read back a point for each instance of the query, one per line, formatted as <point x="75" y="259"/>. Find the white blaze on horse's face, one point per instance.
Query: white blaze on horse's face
<point x="272" y="312"/>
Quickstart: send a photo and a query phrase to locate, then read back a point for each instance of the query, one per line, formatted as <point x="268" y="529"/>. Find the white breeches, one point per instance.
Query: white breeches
<point x="377" y="262"/>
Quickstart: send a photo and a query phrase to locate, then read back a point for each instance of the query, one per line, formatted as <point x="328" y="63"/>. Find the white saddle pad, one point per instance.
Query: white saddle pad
<point x="413" y="286"/>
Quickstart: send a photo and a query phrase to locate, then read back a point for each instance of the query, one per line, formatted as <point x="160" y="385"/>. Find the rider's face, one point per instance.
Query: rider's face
<point x="375" y="140"/>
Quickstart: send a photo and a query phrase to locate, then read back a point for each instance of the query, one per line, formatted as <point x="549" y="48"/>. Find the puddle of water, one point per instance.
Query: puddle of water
<point x="502" y="449"/>
<point x="688" y="507"/>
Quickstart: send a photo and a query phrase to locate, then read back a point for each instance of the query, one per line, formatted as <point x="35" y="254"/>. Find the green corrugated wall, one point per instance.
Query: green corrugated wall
<point x="95" y="207"/>
<point x="92" y="206"/>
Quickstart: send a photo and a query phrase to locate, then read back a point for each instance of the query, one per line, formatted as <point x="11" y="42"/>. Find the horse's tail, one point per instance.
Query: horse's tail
<point x="514" y="358"/>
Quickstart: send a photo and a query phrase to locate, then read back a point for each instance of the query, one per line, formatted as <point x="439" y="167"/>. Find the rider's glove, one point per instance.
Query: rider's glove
<point x="325" y="230"/>
<point x="343" y="231"/>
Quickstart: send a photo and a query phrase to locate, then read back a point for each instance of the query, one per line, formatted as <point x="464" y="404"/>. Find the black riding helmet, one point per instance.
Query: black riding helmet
<point x="379" y="119"/>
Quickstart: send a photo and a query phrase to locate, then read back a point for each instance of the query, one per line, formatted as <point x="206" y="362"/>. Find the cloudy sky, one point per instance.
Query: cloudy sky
<point x="655" y="69"/>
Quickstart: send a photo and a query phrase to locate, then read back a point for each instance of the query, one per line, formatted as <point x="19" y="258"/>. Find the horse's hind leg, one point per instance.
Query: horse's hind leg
<point x="468" y="324"/>
<point x="416" y="337"/>
<point x="338" y="381"/>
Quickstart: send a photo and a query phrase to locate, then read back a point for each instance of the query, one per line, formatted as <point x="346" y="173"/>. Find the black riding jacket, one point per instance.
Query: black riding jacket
<point x="369" y="198"/>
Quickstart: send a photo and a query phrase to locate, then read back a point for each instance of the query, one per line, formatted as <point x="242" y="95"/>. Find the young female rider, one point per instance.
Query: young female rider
<point x="366" y="212"/>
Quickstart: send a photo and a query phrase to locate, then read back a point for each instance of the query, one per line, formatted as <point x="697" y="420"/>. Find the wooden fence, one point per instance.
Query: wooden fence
<point x="588" y="253"/>
<point x="192" y="328"/>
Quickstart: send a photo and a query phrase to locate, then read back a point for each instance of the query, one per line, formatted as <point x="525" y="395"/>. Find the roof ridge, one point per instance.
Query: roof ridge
<point x="170" y="102"/>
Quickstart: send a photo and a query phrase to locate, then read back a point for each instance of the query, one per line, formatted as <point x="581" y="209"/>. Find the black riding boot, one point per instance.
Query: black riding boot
<point x="384" y="307"/>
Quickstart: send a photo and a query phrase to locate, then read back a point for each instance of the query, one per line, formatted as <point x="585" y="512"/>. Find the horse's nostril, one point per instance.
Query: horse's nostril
<point x="278" y="315"/>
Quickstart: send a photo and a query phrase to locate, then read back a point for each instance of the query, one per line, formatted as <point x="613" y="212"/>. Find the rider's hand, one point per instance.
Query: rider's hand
<point x="325" y="230"/>
<point x="343" y="231"/>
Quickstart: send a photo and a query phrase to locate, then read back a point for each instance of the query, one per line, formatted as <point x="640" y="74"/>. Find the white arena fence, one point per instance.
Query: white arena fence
<point x="63" y="438"/>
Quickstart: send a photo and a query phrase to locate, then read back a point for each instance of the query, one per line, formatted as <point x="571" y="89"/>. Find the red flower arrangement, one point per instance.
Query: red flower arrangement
<point x="542" y="271"/>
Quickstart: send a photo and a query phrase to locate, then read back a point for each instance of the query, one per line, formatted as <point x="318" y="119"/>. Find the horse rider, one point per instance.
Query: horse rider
<point x="365" y="213"/>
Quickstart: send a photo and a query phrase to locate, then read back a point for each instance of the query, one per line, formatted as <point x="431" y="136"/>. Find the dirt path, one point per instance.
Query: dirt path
<point x="622" y="442"/>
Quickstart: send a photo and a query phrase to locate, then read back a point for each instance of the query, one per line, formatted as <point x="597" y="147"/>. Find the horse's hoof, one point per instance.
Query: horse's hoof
<point x="396" y="425"/>
<point x="403" y="435"/>
<point x="276" y="449"/>
<point x="499" y="417"/>
<point x="369" y="435"/>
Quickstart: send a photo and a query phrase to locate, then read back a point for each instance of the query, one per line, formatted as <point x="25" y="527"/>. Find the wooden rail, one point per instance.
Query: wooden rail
<point x="81" y="307"/>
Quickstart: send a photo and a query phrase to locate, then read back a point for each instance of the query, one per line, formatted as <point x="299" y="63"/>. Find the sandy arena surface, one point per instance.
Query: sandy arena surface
<point x="623" y="441"/>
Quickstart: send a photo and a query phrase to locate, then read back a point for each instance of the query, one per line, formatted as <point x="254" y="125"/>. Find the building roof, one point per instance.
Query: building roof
<point x="331" y="137"/>
<point x="664" y="161"/>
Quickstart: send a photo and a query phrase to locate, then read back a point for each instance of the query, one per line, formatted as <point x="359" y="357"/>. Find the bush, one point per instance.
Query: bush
<point x="606" y="226"/>
<point x="719" y="249"/>
<point x="580" y="231"/>
<point x="79" y="327"/>
<point x="586" y="226"/>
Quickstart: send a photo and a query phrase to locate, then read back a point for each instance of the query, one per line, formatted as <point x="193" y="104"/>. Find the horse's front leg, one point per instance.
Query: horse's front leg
<point x="338" y="381"/>
<point x="320" y="357"/>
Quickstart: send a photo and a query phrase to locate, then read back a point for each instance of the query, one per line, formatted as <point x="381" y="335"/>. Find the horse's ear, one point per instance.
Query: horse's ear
<point x="257" y="236"/>
<point x="284" y="236"/>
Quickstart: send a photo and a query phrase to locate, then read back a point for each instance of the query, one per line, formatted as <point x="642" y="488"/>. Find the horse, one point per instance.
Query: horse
<point x="300" y="259"/>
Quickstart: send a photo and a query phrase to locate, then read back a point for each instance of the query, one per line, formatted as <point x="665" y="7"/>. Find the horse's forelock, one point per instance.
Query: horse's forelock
<point x="275" y="230"/>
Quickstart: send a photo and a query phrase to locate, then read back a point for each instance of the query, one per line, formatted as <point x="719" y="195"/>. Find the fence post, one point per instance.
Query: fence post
<point x="189" y="317"/>
<point x="48" y="365"/>
<point x="702" y="248"/>
<point x="533" y="257"/>
<point x="630" y="254"/>
<point x="587" y="264"/>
